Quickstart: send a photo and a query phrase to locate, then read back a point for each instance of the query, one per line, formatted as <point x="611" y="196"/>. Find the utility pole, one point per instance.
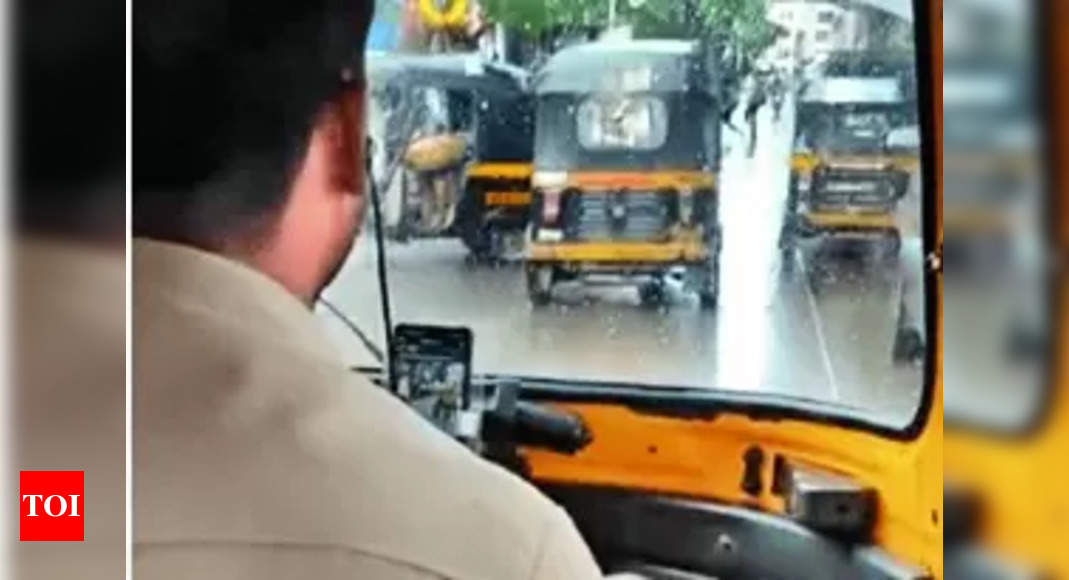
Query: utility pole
<point x="612" y="14"/>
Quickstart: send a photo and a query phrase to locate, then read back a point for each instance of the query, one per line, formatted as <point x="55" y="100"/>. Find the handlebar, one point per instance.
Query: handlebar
<point x="517" y="423"/>
<point x="540" y="426"/>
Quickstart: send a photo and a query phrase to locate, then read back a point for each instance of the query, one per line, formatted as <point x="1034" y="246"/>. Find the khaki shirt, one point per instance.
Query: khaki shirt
<point x="70" y="397"/>
<point x="258" y="455"/>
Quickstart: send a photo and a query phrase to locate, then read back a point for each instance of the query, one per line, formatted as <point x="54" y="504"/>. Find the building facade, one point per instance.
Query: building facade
<point x="813" y="29"/>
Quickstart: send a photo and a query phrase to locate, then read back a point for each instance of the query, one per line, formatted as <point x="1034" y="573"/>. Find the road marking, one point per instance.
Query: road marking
<point x="822" y="342"/>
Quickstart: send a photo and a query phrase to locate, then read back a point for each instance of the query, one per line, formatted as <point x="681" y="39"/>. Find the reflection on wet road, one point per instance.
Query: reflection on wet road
<point x="823" y="332"/>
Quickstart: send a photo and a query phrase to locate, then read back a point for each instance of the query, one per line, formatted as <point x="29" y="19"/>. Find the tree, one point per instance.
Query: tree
<point x="533" y="18"/>
<point x="740" y="22"/>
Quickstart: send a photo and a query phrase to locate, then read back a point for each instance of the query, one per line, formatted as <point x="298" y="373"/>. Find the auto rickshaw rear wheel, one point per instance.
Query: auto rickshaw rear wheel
<point x="787" y="260"/>
<point x="892" y="245"/>
<point x="540" y="279"/>
<point x="471" y="225"/>
<point x="709" y="283"/>
<point x="788" y="229"/>
<point x="653" y="292"/>
<point x="909" y="345"/>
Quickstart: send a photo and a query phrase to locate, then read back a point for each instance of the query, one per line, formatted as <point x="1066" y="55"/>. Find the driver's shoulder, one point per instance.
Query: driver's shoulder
<point x="322" y="457"/>
<point x="421" y="495"/>
<point x="383" y="424"/>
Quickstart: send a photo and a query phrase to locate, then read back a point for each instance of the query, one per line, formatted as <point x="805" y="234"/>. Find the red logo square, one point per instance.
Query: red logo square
<point x="51" y="506"/>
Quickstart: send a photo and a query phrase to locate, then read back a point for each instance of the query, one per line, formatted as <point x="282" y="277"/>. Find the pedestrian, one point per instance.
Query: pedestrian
<point x="778" y="90"/>
<point x="757" y="98"/>
<point x="257" y="453"/>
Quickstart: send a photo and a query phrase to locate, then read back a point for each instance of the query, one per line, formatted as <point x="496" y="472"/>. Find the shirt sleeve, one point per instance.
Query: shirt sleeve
<point x="564" y="554"/>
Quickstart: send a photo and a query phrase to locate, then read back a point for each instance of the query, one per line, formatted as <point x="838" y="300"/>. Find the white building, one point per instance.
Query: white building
<point x="814" y="29"/>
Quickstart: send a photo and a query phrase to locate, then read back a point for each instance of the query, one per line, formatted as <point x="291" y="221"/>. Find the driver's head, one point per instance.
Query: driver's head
<point x="248" y="130"/>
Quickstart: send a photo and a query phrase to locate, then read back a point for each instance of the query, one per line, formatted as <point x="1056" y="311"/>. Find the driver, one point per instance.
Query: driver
<point x="256" y="453"/>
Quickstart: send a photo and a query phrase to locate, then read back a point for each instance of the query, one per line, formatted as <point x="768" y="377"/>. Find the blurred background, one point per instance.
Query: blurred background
<point x="67" y="275"/>
<point x="996" y="218"/>
<point x="1007" y="430"/>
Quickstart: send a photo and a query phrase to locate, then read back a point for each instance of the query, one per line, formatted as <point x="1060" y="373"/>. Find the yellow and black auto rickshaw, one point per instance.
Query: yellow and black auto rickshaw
<point x="494" y="209"/>
<point x="853" y="158"/>
<point x="626" y="155"/>
<point x="457" y="132"/>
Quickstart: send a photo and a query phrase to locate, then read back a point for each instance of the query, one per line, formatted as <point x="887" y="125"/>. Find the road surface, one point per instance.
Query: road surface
<point x="824" y="333"/>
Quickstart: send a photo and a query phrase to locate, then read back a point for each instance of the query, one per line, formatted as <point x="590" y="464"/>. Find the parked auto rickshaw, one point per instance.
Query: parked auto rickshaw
<point x="852" y="162"/>
<point x="626" y="156"/>
<point x="457" y="131"/>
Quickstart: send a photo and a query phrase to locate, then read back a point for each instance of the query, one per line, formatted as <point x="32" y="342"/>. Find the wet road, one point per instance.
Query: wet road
<point x="824" y="332"/>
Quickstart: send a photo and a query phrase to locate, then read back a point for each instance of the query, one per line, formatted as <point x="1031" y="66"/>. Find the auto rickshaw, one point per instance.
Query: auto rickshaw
<point x="458" y="135"/>
<point x="494" y="209"/>
<point x="626" y="156"/>
<point x="850" y="165"/>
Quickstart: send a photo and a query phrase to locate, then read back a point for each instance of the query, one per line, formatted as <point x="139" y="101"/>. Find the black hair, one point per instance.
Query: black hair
<point x="70" y="116"/>
<point x="225" y="93"/>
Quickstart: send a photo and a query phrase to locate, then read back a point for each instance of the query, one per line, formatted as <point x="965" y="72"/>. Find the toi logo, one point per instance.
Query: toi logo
<point x="51" y="506"/>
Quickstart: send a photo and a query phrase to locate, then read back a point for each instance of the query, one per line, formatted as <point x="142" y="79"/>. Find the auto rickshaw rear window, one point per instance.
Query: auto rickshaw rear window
<point x="630" y="122"/>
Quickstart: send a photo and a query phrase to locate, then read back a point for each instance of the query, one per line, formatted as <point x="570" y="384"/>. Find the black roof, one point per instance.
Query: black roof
<point x="458" y="71"/>
<point x="621" y="66"/>
<point x="869" y="63"/>
<point x="854" y="90"/>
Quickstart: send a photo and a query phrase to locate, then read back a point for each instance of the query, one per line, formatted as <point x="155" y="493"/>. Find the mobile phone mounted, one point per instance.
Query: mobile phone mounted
<point x="432" y="364"/>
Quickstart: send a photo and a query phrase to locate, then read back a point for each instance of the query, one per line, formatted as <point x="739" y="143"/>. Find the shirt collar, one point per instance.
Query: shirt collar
<point x="227" y="289"/>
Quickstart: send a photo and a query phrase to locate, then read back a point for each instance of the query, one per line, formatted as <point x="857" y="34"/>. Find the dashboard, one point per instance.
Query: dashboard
<point x="638" y="534"/>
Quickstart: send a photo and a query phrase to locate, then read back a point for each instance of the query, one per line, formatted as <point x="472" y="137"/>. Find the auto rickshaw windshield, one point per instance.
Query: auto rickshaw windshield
<point x="848" y="128"/>
<point x="639" y="215"/>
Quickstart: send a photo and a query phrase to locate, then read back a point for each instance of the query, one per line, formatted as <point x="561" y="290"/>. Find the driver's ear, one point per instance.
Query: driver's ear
<point x="340" y="130"/>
